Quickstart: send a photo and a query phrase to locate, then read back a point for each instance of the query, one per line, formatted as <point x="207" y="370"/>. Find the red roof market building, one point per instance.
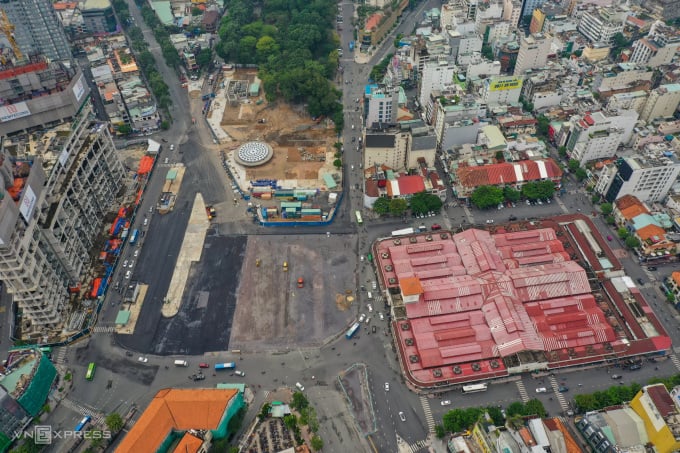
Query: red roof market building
<point x="483" y="304"/>
<point x="505" y="174"/>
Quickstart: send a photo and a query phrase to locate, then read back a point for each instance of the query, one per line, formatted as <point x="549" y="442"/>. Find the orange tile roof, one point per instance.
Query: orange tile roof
<point x="633" y="211"/>
<point x="188" y="444"/>
<point x="650" y="232"/>
<point x="554" y="424"/>
<point x="627" y="201"/>
<point x="64" y="5"/>
<point x="676" y="277"/>
<point x="373" y="21"/>
<point x="176" y="409"/>
<point x="410" y="286"/>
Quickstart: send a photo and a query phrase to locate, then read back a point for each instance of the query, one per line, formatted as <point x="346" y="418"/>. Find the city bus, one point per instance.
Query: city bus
<point x="352" y="330"/>
<point x="133" y="237"/>
<point x="90" y="371"/>
<point x="472" y="388"/>
<point x="46" y="350"/>
<point x="83" y="422"/>
<point x="359" y="219"/>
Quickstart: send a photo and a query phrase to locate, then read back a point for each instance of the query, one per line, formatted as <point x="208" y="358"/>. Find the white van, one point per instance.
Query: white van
<point x="370" y="295"/>
<point x="300" y="387"/>
<point x="239" y="373"/>
<point x="181" y="363"/>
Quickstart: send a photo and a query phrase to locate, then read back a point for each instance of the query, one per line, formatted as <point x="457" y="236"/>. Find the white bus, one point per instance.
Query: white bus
<point x="404" y="232"/>
<point x="472" y="388"/>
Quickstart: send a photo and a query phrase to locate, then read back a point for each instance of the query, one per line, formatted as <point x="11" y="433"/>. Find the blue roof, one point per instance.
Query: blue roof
<point x="644" y="220"/>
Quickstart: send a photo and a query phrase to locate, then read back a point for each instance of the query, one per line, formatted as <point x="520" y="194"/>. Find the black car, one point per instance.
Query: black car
<point x="640" y="281"/>
<point x="651" y="268"/>
<point x="512" y="217"/>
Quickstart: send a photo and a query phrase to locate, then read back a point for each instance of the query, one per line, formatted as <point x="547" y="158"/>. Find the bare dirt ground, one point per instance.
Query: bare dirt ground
<point x="301" y="146"/>
<point x="273" y="313"/>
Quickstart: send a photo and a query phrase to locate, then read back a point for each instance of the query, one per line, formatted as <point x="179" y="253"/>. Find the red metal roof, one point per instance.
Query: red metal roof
<point x="508" y="172"/>
<point x="408" y="185"/>
<point x="661" y="399"/>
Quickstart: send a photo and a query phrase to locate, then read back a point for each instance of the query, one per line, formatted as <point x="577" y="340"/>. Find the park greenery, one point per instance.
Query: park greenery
<point x="485" y="197"/>
<point x="614" y="395"/>
<point x="420" y="203"/>
<point x="461" y="420"/>
<point x="293" y="46"/>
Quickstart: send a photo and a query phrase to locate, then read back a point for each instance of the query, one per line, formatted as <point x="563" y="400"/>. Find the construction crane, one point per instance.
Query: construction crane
<point x="8" y="30"/>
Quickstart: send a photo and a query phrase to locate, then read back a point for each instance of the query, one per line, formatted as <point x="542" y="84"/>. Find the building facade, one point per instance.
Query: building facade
<point x="436" y="75"/>
<point x="501" y="90"/>
<point x="649" y="177"/>
<point x="381" y="104"/>
<point x="98" y="17"/>
<point x="596" y="136"/>
<point x="386" y="148"/>
<point x="37" y="29"/>
<point x="49" y="227"/>
<point x="662" y="102"/>
<point x="600" y="25"/>
<point x="533" y="52"/>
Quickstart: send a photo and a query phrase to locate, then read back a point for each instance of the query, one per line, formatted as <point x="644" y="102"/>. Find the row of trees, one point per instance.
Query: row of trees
<point x="420" y="203"/>
<point x="294" y="47"/>
<point x="485" y="197"/>
<point x="613" y="396"/>
<point x="459" y="420"/>
<point x="145" y="60"/>
<point x="575" y="168"/>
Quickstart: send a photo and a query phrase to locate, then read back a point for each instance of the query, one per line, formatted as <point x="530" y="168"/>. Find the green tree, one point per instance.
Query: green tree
<point x="632" y="242"/>
<point x="595" y="198"/>
<point x="299" y="401"/>
<point x="573" y="165"/>
<point x="623" y="233"/>
<point x="439" y="431"/>
<point x="610" y="220"/>
<point x="266" y="46"/>
<point x="264" y="412"/>
<point x="196" y="11"/>
<point x="511" y="194"/>
<point x="290" y="421"/>
<point x="562" y="151"/>
<point x="496" y="415"/>
<point x="204" y="57"/>
<point x="542" y="125"/>
<point x="424" y="202"/>
<point x="165" y="125"/>
<point x="534" y="407"/>
<point x="581" y="174"/>
<point x="381" y="206"/>
<point x="337" y="163"/>
<point x="316" y="443"/>
<point x="485" y="197"/>
<point x="114" y="422"/>
<point x="398" y="206"/>
<point x="515" y="408"/>
<point x="606" y="208"/>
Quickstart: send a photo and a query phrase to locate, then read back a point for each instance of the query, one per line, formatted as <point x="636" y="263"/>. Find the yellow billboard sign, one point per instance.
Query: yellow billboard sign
<point x="506" y="83"/>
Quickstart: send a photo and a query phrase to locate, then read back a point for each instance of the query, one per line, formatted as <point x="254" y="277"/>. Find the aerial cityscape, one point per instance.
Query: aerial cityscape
<point x="284" y="226"/>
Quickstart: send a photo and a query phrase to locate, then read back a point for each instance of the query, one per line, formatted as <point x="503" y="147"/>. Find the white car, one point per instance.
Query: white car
<point x="300" y="387"/>
<point x="489" y="221"/>
<point x="541" y="390"/>
<point x="374" y="285"/>
<point x="446" y="403"/>
<point x="125" y="263"/>
<point x="381" y="316"/>
<point x="142" y="359"/>
<point x="370" y="308"/>
<point x="132" y="263"/>
<point x="146" y="222"/>
<point x="387" y="386"/>
<point x="136" y="254"/>
<point x="362" y="317"/>
<point x="402" y="417"/>
<point x="368" y="320"/>
<point x="128" y="274"/>
<point x="172" y="147"/>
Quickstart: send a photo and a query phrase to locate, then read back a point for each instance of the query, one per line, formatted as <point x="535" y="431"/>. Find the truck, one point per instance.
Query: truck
<point x="225" y="366"/>
<point x="181" y="363"/>
<point x="351" y="46"/>
<point x="211" y="212"/>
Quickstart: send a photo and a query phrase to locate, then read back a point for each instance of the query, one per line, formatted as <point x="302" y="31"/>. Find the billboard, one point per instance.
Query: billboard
<point x="79" y="88"/>
<point x="28" y="203"/>
<point x="13" y="111"/>
<point x="505" y="83"/>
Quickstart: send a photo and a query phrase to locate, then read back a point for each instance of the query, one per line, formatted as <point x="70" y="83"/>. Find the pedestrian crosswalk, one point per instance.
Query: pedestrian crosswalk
<point x="59" y="355"/>
<point x="428" y="413"/>
<point x="560" y="396"/>
<point x="97" y="418"/>
<point x="417" y="446"/>
<point x="104" y="329"/>
<point x="522" y="391"/>
<point x="676" y="361"/>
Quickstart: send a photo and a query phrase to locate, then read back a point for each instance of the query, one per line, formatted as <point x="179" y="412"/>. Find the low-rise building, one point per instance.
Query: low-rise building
<point x="658" y="47"/>
<point x="598" y="135"/>
<point x="661" y="417"/>
<point x="662" y="102"/>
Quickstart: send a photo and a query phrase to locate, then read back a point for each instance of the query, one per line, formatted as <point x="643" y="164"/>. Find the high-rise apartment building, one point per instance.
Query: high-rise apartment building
<point x="648" y="176"/>
<point x="600" y="25"/>
<point x="37" y="29"/>
<point x="533" y="52"/>
<point x="436" y="75"/>
<point x="52" y="206"/>
<point x="597" y="136"/>
<point x="529" y="6"/>
<point x="662" y="102"/>
<point x="658" y="47"/>
<point x="382" y="104"/>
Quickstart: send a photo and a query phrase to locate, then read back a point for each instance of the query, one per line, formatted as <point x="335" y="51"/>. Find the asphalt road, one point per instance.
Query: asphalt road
<point x="122" y="380"/>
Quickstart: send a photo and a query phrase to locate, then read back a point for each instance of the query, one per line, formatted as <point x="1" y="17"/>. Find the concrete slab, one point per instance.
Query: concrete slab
<point x="192" y="246"/>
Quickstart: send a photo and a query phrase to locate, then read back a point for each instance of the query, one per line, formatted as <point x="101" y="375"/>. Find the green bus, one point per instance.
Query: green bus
<point x="358" y="216"/>
<point x="46" y="350"/>
<point x="90" y="371"/>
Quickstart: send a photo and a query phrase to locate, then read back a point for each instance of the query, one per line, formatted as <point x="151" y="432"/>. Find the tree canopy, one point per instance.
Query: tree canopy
<point x="293" y="45"/>
<point x="425" y="202"/>
<point x="485" y="197"/>
<point x="538" y="190"/>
